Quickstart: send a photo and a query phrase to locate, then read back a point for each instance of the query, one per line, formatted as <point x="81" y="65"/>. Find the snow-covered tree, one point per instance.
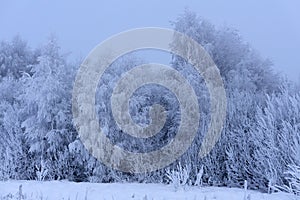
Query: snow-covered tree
<point x="15" y="56"/>
<point x="46" y="104"/>
<point x="12" y="146"/>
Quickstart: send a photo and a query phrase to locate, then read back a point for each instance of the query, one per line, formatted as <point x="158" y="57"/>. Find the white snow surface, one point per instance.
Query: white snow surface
<point x="125" y="191"/>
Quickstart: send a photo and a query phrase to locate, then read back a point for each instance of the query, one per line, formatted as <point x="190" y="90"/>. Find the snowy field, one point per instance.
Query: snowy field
<point x="56" y="190"/>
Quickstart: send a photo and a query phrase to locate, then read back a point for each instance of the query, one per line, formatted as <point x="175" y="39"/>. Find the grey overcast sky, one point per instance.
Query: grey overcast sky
<point x="270" y="26"/>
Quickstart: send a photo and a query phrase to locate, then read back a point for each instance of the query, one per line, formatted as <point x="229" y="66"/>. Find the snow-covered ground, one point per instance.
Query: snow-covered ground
<point x="68" y="190"/>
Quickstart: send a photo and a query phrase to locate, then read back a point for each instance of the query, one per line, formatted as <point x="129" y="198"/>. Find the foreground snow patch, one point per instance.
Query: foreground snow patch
<point x="55" y="190"/>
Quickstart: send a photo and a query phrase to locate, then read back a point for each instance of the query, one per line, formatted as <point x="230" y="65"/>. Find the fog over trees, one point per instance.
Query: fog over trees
<point x="260" y="142"/>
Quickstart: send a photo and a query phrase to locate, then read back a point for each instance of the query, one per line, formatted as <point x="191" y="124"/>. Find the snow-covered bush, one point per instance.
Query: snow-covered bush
<point x="178" y="177"/>
<point x="293" y="176"/>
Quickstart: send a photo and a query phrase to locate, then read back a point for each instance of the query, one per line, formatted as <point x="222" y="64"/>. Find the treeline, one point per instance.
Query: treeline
<point x="260" y="142"/>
